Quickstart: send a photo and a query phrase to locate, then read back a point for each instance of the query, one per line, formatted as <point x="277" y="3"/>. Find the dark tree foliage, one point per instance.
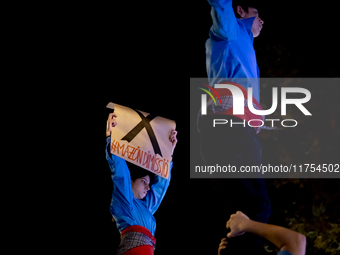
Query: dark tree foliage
<point x="309" y="206"/>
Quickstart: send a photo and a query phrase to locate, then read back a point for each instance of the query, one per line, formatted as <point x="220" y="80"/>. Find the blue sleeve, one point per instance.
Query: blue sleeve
<point x="284" y="253"/>
<point x="157" y="191"/>
<point x="120" y="174"/>
<point x="225" y="26"/>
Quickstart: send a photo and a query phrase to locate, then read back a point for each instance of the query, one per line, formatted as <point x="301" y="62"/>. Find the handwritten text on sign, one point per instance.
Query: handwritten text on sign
<point x="142" y="139"/>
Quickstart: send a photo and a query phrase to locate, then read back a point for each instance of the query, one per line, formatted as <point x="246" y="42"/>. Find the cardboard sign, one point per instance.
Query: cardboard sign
<point x="142" y="139"/>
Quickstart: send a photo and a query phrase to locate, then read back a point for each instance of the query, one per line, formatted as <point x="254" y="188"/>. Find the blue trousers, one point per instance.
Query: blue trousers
<point x="237" y="146"/>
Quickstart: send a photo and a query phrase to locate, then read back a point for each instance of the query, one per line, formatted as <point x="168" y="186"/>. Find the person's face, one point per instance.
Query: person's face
<point x="258" y="23"/>
<point x="140" y="187"/>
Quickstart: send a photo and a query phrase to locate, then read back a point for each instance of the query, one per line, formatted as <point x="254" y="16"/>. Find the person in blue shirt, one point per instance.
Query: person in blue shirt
<point x="230" y="54"/>
<point x="136" y="195"/>
<point x="230" y="57"/>
<point x="288" y="241"/>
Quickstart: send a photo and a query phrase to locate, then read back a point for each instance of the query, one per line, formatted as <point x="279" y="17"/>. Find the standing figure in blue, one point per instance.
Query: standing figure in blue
<point x="136" y="195"/>
<point x="230" y="54"/>
<point x="230" y="57"/>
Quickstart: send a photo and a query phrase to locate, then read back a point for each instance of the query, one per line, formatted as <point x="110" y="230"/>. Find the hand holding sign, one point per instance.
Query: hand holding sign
<point x="143" y="139"/>
<point x="173" y="139"/>
<point x="111" y="122"/>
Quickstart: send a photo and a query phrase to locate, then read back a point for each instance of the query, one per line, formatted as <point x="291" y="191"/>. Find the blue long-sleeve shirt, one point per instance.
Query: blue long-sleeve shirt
<point x="230" y="53"/>
<point x="127" y="210"/>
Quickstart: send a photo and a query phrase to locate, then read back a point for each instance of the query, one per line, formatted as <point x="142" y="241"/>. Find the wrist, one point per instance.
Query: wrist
<point x="249" y="225"/>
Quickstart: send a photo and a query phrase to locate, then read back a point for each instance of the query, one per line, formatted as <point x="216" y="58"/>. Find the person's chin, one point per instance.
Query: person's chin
<point x="256" y="34"/>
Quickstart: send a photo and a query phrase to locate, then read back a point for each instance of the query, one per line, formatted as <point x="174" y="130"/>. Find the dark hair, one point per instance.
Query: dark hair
<point x="138" y="172"/>
<point x="245" y="4"/>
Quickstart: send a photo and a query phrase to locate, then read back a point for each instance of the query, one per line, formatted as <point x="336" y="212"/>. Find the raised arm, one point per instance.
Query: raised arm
<point x="225" y="26"/>
<point x="120" y="174"/>
<point x="160" y="185"/>
<point x="285" y="239"/>
<point x="157" y="191"/>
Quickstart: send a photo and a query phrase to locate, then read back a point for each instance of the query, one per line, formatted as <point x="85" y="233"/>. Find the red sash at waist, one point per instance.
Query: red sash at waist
<point x="140" y="229"/>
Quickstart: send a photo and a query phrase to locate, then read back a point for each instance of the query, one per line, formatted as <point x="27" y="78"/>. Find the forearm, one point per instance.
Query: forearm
<point x="117" y="164"/>
<point x="283" y="238"/>
<point x="122" y="191"/>
<point x="224" y="21"/>
<point x="220" y="3"/>
<point x="107" y="148"/>
<point x="157" y="191"/>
